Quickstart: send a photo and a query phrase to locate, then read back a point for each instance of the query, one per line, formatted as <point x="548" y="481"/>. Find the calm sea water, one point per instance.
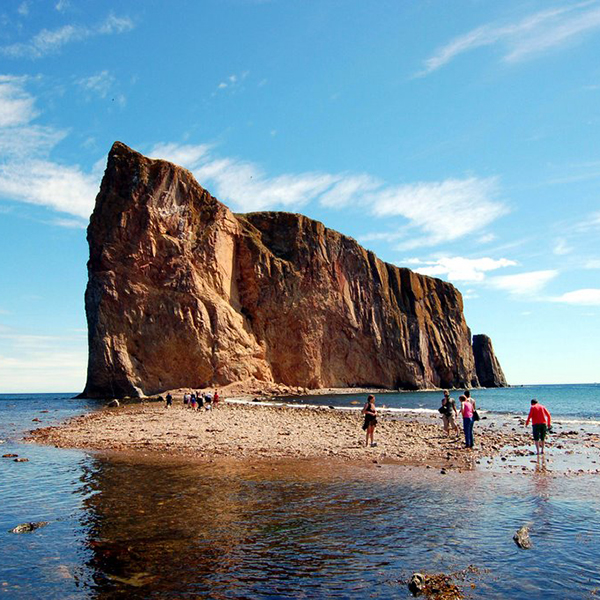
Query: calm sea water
<point x="149" y="528"/>
<point x="565" y="402"/>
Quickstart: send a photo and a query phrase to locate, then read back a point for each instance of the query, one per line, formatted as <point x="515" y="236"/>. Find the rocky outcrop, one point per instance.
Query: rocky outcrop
<point x="184" y="293"/>
<point x="489" y="371"/>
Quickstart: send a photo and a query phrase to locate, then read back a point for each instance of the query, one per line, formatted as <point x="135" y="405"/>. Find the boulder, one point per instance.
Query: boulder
<point x="416" y="584"/>
<point x="521" y="538"/>
<point x="28" y="527"/>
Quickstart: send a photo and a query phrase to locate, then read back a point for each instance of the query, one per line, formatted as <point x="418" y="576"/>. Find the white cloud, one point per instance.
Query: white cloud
<point x="423" y="213"/>
<point x="48" y="41"/>
<point x="100" y="84"/>
<point x="458" y="268"/>
<point x="233" y="82"/>
<point x="23" y="9"/>
<point x="561" y="247"/>
<point x="437" y="211"/>
<point x="347" y="189"/>
<point x="244" y="185"/>
<point x="444" y="211"/>
<point x="470" y="295"/>
<point x="61" y="187"/>
<point x="486" y="238"/>
<point x="592" y="263"/>
<point x="188" y="156"/>
<point x="16" y="107"/>
<point x="594" y="220"/>
<point x="70" y="223"/>
<point x="526" y="38"/>
<point x="26" y="172"/>
<point x="523" y="284"/>
<point x="583" y="297"/>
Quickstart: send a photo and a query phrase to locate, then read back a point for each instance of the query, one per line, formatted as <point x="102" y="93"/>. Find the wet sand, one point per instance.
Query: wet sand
<point x="251" y="431"/>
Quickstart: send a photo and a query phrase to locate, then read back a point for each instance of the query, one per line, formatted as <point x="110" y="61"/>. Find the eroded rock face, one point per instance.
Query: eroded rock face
<point x="489" y="371"/>
<point x="184" y="293"/>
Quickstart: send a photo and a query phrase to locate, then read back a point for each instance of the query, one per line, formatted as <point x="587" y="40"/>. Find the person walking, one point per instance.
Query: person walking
<point x="169" y="400"/>
<point x="370" y="413"/>
<point x="467" y="408"/>
<point x="541" y="422"/>
<point x="449" y="414"/>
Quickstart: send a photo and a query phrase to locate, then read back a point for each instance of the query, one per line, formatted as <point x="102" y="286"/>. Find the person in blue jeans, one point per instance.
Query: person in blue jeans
<point x="467" y="408"/>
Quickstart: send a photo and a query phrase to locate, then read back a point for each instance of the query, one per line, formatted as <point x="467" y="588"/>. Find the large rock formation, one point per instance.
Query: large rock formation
<point x="182" y="292"/>
<point x="489" y="371"/>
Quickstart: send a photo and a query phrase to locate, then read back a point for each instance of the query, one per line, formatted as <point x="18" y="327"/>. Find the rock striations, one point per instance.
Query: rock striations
<point x="489" y="371"/>
<point x="183" y="293"/>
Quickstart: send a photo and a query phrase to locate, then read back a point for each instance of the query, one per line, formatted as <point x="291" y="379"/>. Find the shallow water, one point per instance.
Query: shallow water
<point x="147" y="528"/>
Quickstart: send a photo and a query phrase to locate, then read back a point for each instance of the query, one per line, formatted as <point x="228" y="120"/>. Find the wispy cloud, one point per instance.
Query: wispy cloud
<point x="583" y="297"/>
<point x="532" y="35"/>
<point x="58" y="363"/>
<point x="425" y="212"/>
<point x="16" y="106"/>
<point x="49" y="41"/>
<point x="27" y="173"/>
<point x="65" y="188"/>
<point x="189" y="156"/>
<point x="421" y="214"/>
<point x="231" y="83"/>
<point x="524" y="284"/>
<point x="23" y="9"/>
<point x="99" y="84"/>
<point x="561" y="247"/>
<point x="445" y="210"/>
<point x="458" y="268"/>
<point x="592" y="263"/>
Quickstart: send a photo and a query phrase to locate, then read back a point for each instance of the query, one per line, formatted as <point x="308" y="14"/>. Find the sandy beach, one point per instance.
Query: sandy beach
<point x="266" y="431"/>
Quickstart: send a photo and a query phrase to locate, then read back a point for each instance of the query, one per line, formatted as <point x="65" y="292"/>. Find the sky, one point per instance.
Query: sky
<point x="460" y="139"/>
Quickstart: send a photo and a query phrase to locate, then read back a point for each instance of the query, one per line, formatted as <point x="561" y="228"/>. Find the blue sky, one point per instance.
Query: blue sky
<point x="460" y="139"/>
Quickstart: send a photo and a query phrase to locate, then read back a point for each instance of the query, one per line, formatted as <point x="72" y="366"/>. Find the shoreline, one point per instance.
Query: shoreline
<point x="245" y="430"/>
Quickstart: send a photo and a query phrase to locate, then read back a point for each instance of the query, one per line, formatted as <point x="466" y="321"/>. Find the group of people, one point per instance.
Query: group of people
<point x="468" y="411"/>
<point x="538" y="416"/>
<point x="197" y="400"/>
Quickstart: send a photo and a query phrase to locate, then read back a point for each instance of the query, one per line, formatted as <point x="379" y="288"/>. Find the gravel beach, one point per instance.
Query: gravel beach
<point x="269" y="431"/>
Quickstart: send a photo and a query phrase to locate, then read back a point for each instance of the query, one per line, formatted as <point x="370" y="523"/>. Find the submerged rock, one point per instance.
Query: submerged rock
<point x="416" y="584"/>
<point x="184" y="293"/>
<point x="28" y="527"/>
<point x="438" y="586"/>
<point x="522" y="539"/>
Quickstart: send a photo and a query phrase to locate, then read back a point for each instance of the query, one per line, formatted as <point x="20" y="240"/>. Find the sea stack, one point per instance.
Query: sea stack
<point x="184" y="293"/>
<point x="489" y="371"/>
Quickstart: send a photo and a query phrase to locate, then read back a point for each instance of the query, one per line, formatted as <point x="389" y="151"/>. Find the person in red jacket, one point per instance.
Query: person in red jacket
<point x="541" y="421"/>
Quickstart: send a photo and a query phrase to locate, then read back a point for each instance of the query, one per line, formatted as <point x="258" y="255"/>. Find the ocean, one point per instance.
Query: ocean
<point x="133" y="526"/>
<point x="567" y="403"/>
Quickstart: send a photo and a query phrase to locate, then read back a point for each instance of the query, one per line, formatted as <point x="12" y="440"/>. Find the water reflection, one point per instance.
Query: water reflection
<point x="164" y="530"/>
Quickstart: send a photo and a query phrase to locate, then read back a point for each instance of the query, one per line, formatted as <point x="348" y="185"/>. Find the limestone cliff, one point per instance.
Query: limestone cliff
<point x="182" y="292"/>
<point x="489" y="371"/>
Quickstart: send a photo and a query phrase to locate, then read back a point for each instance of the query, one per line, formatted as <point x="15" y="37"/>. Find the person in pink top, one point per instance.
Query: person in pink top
<point x="541" y="422"/>
<point x="467" y="408"/>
